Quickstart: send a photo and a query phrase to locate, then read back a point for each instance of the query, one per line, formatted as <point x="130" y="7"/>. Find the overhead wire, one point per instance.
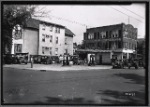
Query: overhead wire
<point x="132" y="12"/>
<point x="75" y="22"/>
<point x="125" y="14"/>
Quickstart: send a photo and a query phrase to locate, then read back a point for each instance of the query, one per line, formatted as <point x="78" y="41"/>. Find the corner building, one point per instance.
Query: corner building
<point x="43" y="38"/>
<point x="105" y="42"/>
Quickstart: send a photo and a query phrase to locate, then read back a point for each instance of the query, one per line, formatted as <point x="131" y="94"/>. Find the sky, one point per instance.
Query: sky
<point x="79" y="17"/>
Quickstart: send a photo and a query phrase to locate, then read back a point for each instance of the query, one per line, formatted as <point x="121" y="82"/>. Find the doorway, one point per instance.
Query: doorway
<point x="100" y="59"/>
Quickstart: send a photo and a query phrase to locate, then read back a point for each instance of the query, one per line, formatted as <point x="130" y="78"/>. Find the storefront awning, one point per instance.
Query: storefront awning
<point x="97" y="50"/>
<point x="92" y="50"/>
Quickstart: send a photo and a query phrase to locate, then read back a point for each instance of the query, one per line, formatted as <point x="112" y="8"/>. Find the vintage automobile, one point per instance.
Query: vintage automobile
<point x="43" y="59"/>
<point x="22" y="58"/>
<point x="125" y="63"/>
<point x="37" y="59"/>
<point x="118" y="64"/>
<point x="9" y="59"/>
<point x="55" y="59"/>
<point x="75" y="59"/>
<point x="49" y="59"/>
<point x="133" y="63"/>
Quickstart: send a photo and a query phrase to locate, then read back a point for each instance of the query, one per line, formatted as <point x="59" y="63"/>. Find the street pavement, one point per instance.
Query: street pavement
<point x="92" y="86"/>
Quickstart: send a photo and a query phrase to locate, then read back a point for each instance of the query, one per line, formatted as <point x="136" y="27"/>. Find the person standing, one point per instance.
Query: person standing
<point x="31" y="61"/>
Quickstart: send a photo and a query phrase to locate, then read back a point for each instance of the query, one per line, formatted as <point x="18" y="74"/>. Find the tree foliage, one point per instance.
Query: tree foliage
<point x="13" y="15"/>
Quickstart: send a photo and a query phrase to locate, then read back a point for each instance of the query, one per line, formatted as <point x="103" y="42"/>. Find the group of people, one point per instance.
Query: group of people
<point x="64" y="59"/>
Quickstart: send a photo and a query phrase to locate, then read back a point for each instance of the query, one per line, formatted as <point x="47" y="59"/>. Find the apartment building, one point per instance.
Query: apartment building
<point x="43" y="38"/>
<point x="105" y="42"/>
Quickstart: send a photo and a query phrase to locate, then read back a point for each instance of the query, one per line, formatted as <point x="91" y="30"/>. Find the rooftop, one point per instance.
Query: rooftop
<point x="120" y="24"/>
<point x="68" y="32"/>
<point x="34" y="23"/>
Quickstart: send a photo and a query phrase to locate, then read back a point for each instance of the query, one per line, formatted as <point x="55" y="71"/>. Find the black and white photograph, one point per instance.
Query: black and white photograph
<point x="80" y="53"/>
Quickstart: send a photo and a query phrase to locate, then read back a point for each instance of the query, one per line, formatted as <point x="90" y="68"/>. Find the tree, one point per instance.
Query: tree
<point x="16" y="15"/>
<point x="13" y="15"/>
<point x="82" y="45"/>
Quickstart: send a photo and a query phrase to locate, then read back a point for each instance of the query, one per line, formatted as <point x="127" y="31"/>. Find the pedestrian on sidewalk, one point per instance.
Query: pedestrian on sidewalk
<point x="31" y="61"/>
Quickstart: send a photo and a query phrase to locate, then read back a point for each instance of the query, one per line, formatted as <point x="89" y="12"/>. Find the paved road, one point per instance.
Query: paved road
<point x="113" y="86"/>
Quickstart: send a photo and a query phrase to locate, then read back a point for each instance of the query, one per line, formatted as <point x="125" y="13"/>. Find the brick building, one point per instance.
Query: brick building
<point x="43" y="38"/>
<point x="105" y="42"/>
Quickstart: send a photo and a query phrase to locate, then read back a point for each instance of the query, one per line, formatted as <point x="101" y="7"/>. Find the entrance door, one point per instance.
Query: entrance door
<point x="100" y="59"/>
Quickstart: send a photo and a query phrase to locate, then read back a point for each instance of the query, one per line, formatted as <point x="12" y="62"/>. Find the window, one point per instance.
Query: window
<point x="103" y="34"/>
<point x="56" y="40"/>
<point x="91" y="36"/>
<point x="56" y="51"/>
<point x="120" y="33"/>
<point x="125" y="45"/>
<point x="43" y="27"/>
<point x="50" y="50"/>
<point x="107" y="34"/>
<point x="116" y="33"/>
<point x="119" y="44"/>
<point x="125" y="33"/>
<point x="129" y="45"/>
<point x="95" y="35"/>
<point x="43" y="37"/>
<point x="114" y="36"/>
<point x="17" y="48"/>
<point x="18" y="34"/>
<point x="88" y="36"/>
<point x="57" y="30"/>
<point x="43" y="50"/>
<point x="51" y="38"/>
<point x="47" y="36"/>
<point x="46" y="48"/>
<point x="66" y="51"/>
<point x="98" y="35"/>
<point x="65" y="41"/>
<point x="51" y="28"/>
<point x="46" y="51"/>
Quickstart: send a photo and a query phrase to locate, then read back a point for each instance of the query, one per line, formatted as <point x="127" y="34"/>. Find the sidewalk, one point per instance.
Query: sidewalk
<point x="57" y="67"/>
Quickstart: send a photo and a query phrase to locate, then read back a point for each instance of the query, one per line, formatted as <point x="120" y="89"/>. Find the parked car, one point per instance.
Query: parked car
<point x="133" y="63"/>
<point x="8" y="58"/>
<point x="55" y="59"/>
<point x="118" y="64"/>
<point x="22" y="58"/>
<point x="37" y="59"/>
<point x="43" y="59"/>
<point x="75" y="59"/>
<point x="49" y="60"/>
